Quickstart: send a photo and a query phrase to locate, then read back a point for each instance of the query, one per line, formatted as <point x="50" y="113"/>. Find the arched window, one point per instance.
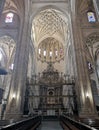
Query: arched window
<point x="9" y="18"/>
<point x="91" y="16"/>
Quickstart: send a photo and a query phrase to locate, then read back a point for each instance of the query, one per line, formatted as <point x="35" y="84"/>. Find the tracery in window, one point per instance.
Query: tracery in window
<point x="9" y="18"/>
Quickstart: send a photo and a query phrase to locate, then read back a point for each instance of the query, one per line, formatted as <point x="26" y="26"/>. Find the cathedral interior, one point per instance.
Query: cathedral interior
<point x="49" y="58"/>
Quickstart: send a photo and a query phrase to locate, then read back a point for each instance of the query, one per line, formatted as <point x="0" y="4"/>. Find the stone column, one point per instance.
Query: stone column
<point x="2" y="2"/>
<point x="16" y="99"/>
<point x="87" y="106"/>
<point x="96" y="5"/>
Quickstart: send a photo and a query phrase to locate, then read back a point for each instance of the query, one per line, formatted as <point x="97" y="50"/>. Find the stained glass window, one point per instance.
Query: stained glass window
<point x="91" y="17"/>
<point x="9" y="18"/>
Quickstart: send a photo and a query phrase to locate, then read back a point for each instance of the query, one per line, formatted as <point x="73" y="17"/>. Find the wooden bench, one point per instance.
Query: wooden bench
<point x="36" y="126"/>
<point x="28" y="124"/>
<point x="74" y="124"/>
<point x="66" y="124"/>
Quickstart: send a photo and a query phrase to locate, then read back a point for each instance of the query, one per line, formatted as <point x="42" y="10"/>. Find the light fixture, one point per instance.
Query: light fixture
<point x="39" y="51"/>
<point x="56" y="52"/>
<point x="13" y="96"/>
<point x="11" y="67"/>
<point x="50" y="53"/>
<point x="44" y="53"/>
<point x="0" y="56"/>
<point x="87" y="94"/>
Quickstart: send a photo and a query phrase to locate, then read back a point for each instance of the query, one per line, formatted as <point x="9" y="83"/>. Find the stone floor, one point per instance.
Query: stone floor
<point x="50" y="125"/>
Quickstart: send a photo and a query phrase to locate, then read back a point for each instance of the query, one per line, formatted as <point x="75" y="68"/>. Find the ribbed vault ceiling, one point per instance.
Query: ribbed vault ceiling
<point x="49" y="23"/>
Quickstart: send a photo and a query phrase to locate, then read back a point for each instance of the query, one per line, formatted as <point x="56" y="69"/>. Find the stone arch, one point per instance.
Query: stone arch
<point x="11" y="29"/>
<point x="63" y="12"/>
<point x="92" y="43"/>
<point x="17" y="7"/>
<point x="58" y="12"/>
<point x="91" y="40"/>
<point x="63" y="32"/>
<point x="8" y="46"/>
